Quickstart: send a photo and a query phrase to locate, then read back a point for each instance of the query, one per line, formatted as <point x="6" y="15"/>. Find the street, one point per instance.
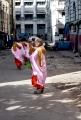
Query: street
<point x="61" y="99"/>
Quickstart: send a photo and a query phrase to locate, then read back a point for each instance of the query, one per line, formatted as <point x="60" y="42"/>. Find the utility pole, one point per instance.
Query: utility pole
<point x="12" y="17"/>
<point x="12" y="21"/>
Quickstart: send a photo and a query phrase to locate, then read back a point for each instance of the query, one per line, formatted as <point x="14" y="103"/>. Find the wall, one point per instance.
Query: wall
<point x="56" y="19"/>
<point x="69" y="13"/>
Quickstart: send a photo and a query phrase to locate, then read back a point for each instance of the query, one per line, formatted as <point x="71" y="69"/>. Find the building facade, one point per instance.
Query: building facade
<point x="73" y="17"/>
<point x="56" y="19"/>
<point x="12" y="18"/>
<point x="30" y="17"/>
<point x="6" y="21"/>
<point x="4" y="16"/>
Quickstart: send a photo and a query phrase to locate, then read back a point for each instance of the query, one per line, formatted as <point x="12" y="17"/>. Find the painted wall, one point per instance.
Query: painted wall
<point x="72" y="39"/>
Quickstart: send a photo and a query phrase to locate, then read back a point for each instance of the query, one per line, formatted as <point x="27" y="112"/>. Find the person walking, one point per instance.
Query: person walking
<point x="26" y="49"/>
<point x="18" y="51"/>
<point x="38" y="63"/>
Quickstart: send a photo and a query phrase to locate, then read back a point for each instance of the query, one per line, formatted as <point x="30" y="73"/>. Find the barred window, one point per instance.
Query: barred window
<point x="74" y="11"/>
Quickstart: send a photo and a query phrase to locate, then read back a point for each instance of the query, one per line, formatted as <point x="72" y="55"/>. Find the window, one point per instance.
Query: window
<point x="40" y="26"/>
<point x="74" y="28"/>
<point x="61" y="30"/>
<point x="41" y="16"/>
<point x="28" y="26"/>
<point x="74" y="11"/>
<point x="18" y="29"/>
<point x="17" y="3"/>
<point x="28" y="16"/>
<point x="40" y="3"/>
<point x="28" y="3"/>
<point x="63" y="13"/>
<point x="18" y="17"/>
<point x="68" y="13"/>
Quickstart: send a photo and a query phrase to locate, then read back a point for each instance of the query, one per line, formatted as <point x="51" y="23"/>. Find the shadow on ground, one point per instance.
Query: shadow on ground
<point x="19" y="103"/>
<point x="72" y="88"/>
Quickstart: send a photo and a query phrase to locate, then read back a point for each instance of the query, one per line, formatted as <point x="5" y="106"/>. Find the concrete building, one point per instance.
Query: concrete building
<point x="6" y="20"/>
<point x="31" y="17"/>
<point x="4" y="15"/>
<point x="12" y="18"/>
<point x="73" y="16"/>
<point x="56" y="19"/>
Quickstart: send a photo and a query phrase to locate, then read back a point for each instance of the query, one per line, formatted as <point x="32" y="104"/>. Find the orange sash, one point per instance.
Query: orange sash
<point x="31" y="48"/>
<point x="41" y="52"/>
<point x="24" y="44"/>
<point x="16" y="46"/>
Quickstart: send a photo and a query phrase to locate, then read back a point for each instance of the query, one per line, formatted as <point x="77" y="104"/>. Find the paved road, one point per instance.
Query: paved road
<point x="17" y="101"/>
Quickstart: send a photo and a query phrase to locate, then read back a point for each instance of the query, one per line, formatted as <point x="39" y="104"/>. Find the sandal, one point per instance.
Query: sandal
<point x="19" y="67"/>
<point x="38" y="91"/>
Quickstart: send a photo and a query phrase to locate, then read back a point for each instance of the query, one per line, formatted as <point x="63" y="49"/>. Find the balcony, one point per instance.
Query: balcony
<point x="60" y="5"/>
<point x="61" y="21"/>
<point x="17" y="10"/>
<point x="41" y="0"/>
<point x="28" y="6"/>
<point x="41" y="6"/>
<point x="28" y="9"/>
<point x="30" y="20"/>
<point x="41" y="9"/>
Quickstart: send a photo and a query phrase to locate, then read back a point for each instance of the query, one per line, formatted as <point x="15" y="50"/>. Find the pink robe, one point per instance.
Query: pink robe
<point x="39" y="73"/>
<point x="18" y="53"/>
<point x="26" y="49"/>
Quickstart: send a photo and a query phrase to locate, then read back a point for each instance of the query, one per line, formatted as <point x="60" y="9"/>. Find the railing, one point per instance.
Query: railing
<point x="30" y="19"/>
<point x="61" y="3"/>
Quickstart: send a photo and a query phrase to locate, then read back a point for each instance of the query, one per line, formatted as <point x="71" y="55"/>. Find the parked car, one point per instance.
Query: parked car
<point x="34" y="38"/>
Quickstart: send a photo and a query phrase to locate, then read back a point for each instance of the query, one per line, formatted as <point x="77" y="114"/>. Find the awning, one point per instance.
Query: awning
<point x="70" y="23"/>
<point x="3" y="32"/>
<point x="23" y="35"/>
<point x="75" y="22"/>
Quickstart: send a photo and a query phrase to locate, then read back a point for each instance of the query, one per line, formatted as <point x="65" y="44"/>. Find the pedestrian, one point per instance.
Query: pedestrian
<point x="38" y="62"/>
<point x="31" y="46"/>
<point x="18" y="52"/>
<point x="10" y="42"/>
<point x="26" y="49"/>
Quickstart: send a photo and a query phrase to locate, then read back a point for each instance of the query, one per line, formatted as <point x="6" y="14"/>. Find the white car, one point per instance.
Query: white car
<point x="34" y="37"/>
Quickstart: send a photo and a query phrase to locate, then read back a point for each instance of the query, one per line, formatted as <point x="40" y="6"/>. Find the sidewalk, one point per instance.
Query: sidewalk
<point x="4" y="54"/>
<point x="77" y="58"/>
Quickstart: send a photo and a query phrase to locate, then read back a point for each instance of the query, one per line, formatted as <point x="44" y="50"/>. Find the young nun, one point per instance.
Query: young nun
<point x="38" y="62"/>
<point x="18" y="52"/>
<point x="26" y="49"/>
